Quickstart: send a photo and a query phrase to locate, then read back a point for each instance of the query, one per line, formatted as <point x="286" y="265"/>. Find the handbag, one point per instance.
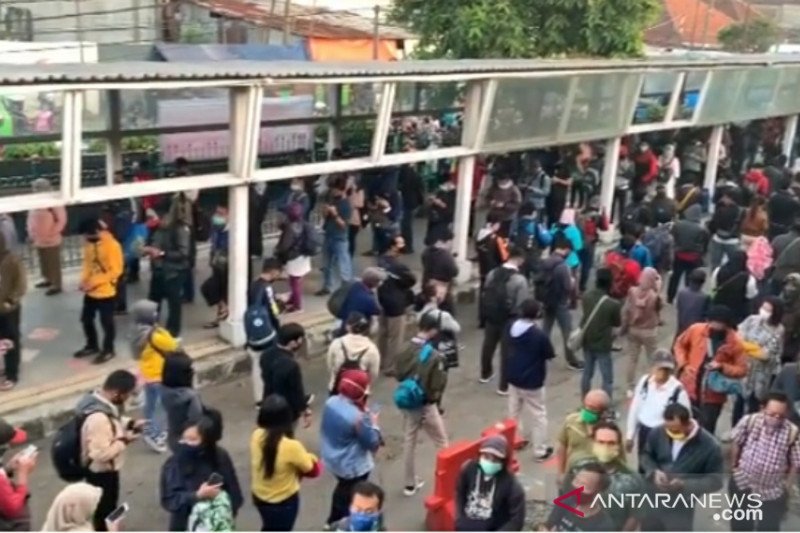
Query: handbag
<point x="716" y="381"/>
<point x="575" y="339"/>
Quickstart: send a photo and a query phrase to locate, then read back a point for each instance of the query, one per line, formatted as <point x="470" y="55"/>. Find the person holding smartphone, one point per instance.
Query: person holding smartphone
<point x="14" y="475"/>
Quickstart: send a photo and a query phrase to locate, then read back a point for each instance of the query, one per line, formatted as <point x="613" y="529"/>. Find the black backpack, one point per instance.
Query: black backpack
<point x="349" y="363"/>
<point x="673" y="398"/>
<point x="495" y="300"/>
<point x="65" y="450"/>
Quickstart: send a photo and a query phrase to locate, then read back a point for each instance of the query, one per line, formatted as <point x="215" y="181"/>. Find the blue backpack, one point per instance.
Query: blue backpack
<point x="258" y="326"/>
<point x="409" y="394"/>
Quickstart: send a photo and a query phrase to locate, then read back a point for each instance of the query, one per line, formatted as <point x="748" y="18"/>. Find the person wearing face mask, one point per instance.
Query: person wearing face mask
<point x="105" y="435"/>
<point x="608" y="451"/>
<point x="504" y="200"/>
<point x="181" y="401"/>
<point x="14" y="480"/>
<point x="441" y="210"/>
<point x="709" y="346"/>
<point x="762" y="335"/>
<point x="765" y="451"/>
<point x="575" y="435"/>
<point x="335" y="252"/>
<point x="349" y="436"/>
<point x="102" y="267"/>
<point x="594" y="480"/>
<point x="641" y="315"/>
<point x="185" y="475"/>
<point x="215" y="288"/>
<point x="297" y="195"/>
<point x="679" y="458"/>
<point x="489" y="497"/>
<point x="366" y="510"/>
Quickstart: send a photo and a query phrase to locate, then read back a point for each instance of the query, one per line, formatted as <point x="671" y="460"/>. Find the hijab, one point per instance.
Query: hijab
<point x="73" y="508"/>
<point x="735" y="266"/>
<point x="354" y="385"/>
<point x="567" y="217"/>
<point x="645" y="293"/>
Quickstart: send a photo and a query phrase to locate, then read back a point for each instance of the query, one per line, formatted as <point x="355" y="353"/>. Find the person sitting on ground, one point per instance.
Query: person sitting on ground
<point x="489" y="497"/>
<point x="353" y="350"/>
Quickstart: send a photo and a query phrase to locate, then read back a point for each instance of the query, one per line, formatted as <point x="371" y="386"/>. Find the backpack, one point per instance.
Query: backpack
<point x="495" y="300"/>
<point x="311" y="242"/>
<point x="446" y="344"/>
<point x="625" y="273"/>
<point x="409" y="394"/>
<point x="213" y="515"/>
<point x="759" y="258"/>
<point x="657" y="241"/>
<point x="673" y="398"/>
<point x="350" y="363"/>
<point x="794" y="431"/>
<point x="337" y="299"/>
<point x="65" y="451"/>
<point x="258" y="327"/>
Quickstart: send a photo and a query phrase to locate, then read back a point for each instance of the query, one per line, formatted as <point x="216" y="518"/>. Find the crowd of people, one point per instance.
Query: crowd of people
<point x="538" y="258"/>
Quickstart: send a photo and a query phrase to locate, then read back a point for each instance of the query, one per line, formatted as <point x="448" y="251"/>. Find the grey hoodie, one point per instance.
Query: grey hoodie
<point x="145" y="314"/>
<point x="101" y="449"/>
<point x="690" y="235"/>
<point x="183" y="407"/>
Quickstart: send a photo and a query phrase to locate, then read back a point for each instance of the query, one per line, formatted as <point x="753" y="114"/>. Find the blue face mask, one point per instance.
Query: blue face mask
<point x="490" y="468"/>
<point x="364" y="521"/>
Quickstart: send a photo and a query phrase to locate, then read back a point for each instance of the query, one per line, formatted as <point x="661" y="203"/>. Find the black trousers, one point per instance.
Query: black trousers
<point x="9" y="329"/>
<point x="105" y="308"/>
<point x="772" y="511"/>
<point x="493" y="335"/>
<point x="109" y="483"/>
<point x="679" y="268"/>
<point x="342" y="495"/>
<point x="642" y="432"/>
<point x="169" y="289"/>
<point x="121" y="301"/>
<point x="352" y="238"/>
<point x="620" y="202"/>
<point x="709" y="414"/>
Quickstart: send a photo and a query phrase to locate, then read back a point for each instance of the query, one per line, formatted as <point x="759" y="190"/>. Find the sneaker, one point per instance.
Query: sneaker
<point x="629" y="394"/>
<point x="155" y="444"/>
<point x="486" y="380"/>
<point x="104" y="358"/>
<point x="575" y="365"/>
<point x="413" y="489"/>
<point x="86" y="352"/>
<point x="501" y="392"/>
<point x="7" y="385"/>
<point x="52" y="291"/>
<point x="322" y="292"/>
<point x="42" y="284"/>
<point x="543" y="453"/>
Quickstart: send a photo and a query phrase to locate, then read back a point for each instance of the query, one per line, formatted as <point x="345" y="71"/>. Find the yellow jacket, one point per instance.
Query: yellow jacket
<point x="102" y="266"/>
<point x="151" y="360"/>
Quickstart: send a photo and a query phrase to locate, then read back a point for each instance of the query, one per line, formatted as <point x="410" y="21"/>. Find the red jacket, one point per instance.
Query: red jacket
<point x="759" y="182"/>
<point x="646" y="166"/>
<point x="12" y="497"/>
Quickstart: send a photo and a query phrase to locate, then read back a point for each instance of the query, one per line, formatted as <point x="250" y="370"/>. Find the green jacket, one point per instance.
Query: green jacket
<point x="598" y="335"/>
<point x="432" y="373"/>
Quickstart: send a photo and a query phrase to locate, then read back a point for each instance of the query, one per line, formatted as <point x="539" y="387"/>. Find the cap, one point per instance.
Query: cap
<point x="663" y="359"/>
<point x="496" y="445"/>
<point x="11" y="435"/>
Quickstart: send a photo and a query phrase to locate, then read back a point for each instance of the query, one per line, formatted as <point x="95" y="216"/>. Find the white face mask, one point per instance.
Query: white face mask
<point x="766" y="314"/>
<point x="505" y="184"/>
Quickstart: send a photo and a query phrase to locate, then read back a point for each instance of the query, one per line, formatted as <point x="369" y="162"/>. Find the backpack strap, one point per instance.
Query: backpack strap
<point x="645" y="386"/>
<point x="150" y="343"/>
<point x="673" y="398"/>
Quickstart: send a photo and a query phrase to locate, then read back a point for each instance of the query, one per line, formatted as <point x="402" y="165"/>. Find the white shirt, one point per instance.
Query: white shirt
<point x="648" y="409"/>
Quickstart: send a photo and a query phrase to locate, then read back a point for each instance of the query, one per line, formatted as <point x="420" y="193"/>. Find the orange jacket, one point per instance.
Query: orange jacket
<point x="690" y="353"/>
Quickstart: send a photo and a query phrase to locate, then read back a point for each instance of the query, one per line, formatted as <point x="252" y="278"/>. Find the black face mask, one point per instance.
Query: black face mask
<point x="718" y="334"/>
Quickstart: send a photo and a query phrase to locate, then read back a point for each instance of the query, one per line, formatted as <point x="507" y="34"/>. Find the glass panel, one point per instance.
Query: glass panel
<point x="720" y="99"/>
<point x="600" y="106"/>
<point x="23" y="162"/>
<point x="654" y="97"/>
<point x="527" y="109"/>
<point x="361" y="98"/>
<point x="29" y="113"/>
<point x="757" y="92"/>
<point x="428" y="96"/>
<point x="690" y="95"/>
<point x="786" y="101"/>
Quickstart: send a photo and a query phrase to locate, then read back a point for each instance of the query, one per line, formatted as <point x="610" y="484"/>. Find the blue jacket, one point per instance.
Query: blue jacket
<point x="348" y="438"/>
<point x="641" y="255"/>
<point x="529" y="349"/>
<point x="361" y="299"/>
<point x="573" y="234"/>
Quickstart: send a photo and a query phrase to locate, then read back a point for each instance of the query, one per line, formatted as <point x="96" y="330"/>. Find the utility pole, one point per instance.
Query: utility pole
<point x="376" y="35"/>
<point x="287" y="22"/>
<point x="271" y="15"/>
<point x="79" y="27"/>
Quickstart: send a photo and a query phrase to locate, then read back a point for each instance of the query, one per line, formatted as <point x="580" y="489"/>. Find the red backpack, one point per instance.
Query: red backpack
<point x="625" y="273"/>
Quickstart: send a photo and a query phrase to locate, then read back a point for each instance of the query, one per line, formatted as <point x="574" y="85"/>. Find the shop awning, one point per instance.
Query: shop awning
<point x="350" y="49"/>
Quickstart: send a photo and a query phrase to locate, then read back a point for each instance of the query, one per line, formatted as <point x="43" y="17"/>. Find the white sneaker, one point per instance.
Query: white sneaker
<point x="486" y="380"/>
<point x="410" y="491"/>
<point x="629" y="394"/>
<point x="155" y="444"/>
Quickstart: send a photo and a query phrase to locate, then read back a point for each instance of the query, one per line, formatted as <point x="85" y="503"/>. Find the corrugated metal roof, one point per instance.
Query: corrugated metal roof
<point x="303" y="20"/>
<point x="231" y="52"/>
<point x="238" y="70"/>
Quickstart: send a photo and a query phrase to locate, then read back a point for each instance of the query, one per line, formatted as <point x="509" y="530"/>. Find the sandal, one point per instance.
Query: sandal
<point x="7" y="385"/>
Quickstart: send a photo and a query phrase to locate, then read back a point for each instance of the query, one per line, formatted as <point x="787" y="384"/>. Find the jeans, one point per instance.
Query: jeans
<point x="279" y="516"/>
<point x="586" y="256"/>
<point x="407" y="229"/>
<point x="679" y="268"/>
<point x="493" y="335"/>
<point x="430" y="421"/>
<point x="109" y="482"/>
<point x="10" y="329"/>
<point x="563" y="316"/>
<point x="105" y="308"/>
<point x="717" y="251"/>
<point x="342" y="494"/>
<point x="169" y="289"/>
<point x="603" y="360"/>
<point x="152" y="399"/>
<point x="335" y="253"/>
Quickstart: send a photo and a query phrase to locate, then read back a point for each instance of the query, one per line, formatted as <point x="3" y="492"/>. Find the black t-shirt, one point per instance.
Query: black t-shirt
<point x="563" y="520"/>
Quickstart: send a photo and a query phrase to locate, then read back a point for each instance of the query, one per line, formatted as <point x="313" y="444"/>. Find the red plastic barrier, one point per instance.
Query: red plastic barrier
<point x="440" y="505"/>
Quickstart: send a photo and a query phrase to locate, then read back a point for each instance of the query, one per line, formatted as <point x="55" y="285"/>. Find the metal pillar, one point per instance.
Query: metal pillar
<point x="609" y="178"/>
<point x="245" y="119"/>
<point x="335" y="127"/>
<point x="712" y="163"/>
<point x="383" y="122"/>
<point x="71" y="136"/>
<point x="789" y="133"/>
<point x="114" y="139"/>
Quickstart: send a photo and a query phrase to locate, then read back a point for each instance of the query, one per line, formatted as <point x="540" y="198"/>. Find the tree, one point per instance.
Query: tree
<point x="485" y="29"/>
<point x="754" y="36"/>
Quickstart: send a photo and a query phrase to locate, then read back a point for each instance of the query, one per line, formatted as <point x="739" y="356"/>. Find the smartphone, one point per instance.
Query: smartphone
<point x="117" y="514"/>
<point x="30" y="450"/>
<point x="215" y="479"/>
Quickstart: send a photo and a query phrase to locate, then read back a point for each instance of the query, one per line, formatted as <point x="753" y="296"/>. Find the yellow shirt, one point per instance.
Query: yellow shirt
<point x="291" y="462"/>
<point x="575" y="437"/>
<point x="151" y="360"/>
